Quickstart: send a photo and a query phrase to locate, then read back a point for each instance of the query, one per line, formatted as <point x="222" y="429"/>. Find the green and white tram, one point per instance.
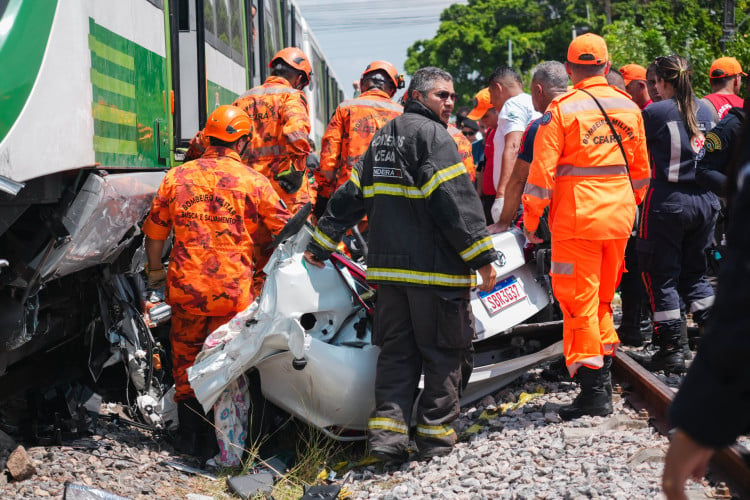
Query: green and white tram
<point x="97" y="98"/>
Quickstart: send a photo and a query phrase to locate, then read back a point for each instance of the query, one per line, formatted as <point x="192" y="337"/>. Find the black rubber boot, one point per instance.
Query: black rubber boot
<point x="607" y="374"/>
<point x="196" y="436"/>
<point x="666" y="360"/>
<point x="593" y="399"/>
<point x="670" y="357"/>
<point x="630" y="326"/>
<point x="188" y="437"/>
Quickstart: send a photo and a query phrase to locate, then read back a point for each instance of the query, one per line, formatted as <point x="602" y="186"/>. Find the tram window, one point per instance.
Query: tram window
<point x="272" y="29"/>
<point x="209" y="17"/>
<point x="222" y="21"/>
<point x="3" y="5"/>
<point x="183" y="12"/>
<point x="238" y="47"/>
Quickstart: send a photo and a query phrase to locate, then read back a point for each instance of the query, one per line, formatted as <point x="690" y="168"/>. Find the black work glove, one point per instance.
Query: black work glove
<point x="320" y="207"/>
<point x="290" y="180"/>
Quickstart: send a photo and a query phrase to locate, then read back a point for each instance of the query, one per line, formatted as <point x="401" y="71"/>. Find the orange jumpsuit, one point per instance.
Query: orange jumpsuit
<point x="578" y="168"/>
<point x="348" y="135"/>
<point x="464" y="150"/>
<point x="215" y="205"/>
<point x="280" y="137"/>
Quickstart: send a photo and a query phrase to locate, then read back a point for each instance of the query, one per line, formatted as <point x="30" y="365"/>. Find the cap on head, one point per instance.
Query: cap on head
<point x="396" y="78"/>
<point x="633" y="72"/>
<point x="482" y="104"/>
<point x="588" y="49"/>
<point x="227" y="123"/>
<point x="295" y="58"/>
<point x="725" y="66"/>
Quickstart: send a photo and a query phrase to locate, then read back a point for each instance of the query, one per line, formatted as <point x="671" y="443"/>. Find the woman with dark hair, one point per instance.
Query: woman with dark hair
<point x="679" y="215"/>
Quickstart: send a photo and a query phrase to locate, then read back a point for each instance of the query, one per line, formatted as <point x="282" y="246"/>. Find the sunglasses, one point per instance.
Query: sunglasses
<point x="468" y="132"/>
<point x="444" y="94"/>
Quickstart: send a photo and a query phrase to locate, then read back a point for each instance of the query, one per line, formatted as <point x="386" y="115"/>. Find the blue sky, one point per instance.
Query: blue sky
<point x="355" y="33"/>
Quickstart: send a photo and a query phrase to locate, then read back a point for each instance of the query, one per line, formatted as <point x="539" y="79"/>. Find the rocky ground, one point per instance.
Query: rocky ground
<point x="523" y="452"/>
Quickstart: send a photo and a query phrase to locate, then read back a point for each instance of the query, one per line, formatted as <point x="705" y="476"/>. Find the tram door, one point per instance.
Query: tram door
<point x="211" y="61"/>
<point x="188" y="62"/>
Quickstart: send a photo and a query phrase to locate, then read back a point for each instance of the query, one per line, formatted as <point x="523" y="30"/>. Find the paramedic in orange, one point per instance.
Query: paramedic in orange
<point x="214" y="205"/>
<point x="580" y="169"/>
<point x="352" y="126"/>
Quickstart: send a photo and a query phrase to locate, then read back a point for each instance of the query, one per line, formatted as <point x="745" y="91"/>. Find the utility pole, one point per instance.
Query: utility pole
<point x="510" y="52"/>
<point x="728" y="26"/>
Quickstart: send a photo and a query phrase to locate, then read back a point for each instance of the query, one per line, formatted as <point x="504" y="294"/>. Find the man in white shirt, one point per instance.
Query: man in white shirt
<point x="515" y="112"/>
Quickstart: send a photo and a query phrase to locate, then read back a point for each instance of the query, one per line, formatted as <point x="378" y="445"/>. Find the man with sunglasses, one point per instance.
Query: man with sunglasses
<point x="427" y="235"/>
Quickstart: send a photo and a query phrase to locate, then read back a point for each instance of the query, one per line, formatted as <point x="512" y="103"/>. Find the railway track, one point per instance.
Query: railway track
<point x="729" y="468"/>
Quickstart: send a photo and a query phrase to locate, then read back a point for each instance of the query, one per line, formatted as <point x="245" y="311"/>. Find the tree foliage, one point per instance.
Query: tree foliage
<point x="472" y="38"/>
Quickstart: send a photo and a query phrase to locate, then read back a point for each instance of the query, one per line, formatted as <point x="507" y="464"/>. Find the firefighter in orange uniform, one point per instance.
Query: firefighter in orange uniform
<point x="352" y="126"/>
<point x="214" y="205"/>
<point x="281" y="126"/>
<point x="581" y="169"/>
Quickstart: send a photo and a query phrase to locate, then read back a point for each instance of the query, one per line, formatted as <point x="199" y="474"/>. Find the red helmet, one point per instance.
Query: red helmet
<point x="396" y="78"/>
<point x="295" y="58"/>
<point x="227" y="123"/>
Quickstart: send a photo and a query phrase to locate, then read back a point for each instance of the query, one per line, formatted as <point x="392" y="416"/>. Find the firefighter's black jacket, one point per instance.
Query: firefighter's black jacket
<point x="426" y="222"/>
<point x="713" y="403"/>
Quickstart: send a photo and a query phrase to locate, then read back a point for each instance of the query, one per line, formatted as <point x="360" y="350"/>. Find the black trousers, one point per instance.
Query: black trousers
<point x="419" y="330"/>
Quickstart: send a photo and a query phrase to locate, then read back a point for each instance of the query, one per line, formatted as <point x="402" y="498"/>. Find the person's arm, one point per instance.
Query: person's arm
<point x="154" y="250"/>
<point x="686" y="458"/>
<point x="346" y="208"/>
<point x="296" y="129"/>
<point x="548" y="147"/>
<point x="640" y="170"/>
<point x="512" y="144"/>
<point x="272" y="211"/>
<point x="513" y="192"/>
<point x="330" y="154"/>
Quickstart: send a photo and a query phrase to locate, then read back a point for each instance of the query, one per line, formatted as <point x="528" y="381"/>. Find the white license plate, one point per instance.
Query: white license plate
<point x="505" y="293"/>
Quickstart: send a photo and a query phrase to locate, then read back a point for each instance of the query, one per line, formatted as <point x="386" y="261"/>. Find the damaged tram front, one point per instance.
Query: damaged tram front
<point x="97" y="100"/>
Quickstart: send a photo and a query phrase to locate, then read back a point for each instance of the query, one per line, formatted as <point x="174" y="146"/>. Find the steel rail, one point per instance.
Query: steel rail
<point x="652" y="398"/>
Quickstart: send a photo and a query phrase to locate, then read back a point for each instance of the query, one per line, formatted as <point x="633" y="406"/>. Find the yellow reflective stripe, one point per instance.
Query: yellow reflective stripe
<point x="420" y="277"/>
<point x="442" y="176"/>
<point x="392" y="190"/>
<point x="434" y="430"/>
<point x="323" y="240"/>
<point x="480" y="246"/>
<point x="387" y="424"/>
<point x="354" y="177"/>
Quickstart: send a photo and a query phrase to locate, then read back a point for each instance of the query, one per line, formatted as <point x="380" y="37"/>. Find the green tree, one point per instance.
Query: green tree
<point x="472" y="38"/>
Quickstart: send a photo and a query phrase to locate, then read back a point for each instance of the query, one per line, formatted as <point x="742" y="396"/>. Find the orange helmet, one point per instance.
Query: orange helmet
<point x="227" y="123"/>
<point x="295" y="58"/>
<point x="396" y="78"/>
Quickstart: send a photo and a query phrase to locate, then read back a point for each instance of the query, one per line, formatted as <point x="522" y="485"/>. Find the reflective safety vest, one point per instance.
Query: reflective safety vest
<point x="348" y="135"/>
<point x="579" y="168"/>
<point x="464" y="150"/>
